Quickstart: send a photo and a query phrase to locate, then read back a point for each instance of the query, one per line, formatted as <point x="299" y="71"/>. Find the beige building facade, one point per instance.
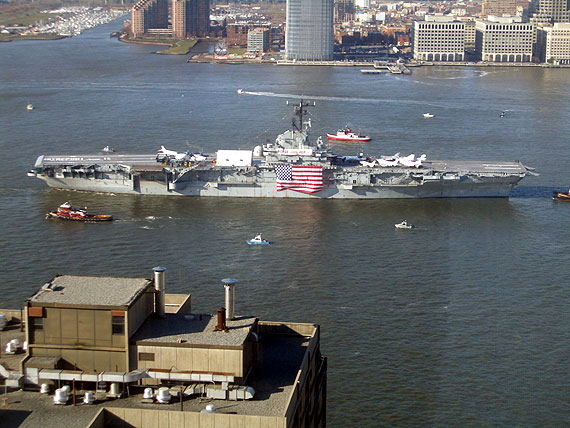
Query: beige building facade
<point x="501" y="40"/>
<point x="438" y="38"/>
<point x="553" y="43"/>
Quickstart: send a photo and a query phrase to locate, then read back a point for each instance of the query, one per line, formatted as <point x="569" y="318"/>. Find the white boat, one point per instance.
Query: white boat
<point x="428" y="115"/>
<point x="240" y="91"/>
<point x="346" y="134"/>
<point x="404" y="225"/>
<point x="108" y="149"/>
<point x="258" y="240"/>
<point x="30" y="106"/>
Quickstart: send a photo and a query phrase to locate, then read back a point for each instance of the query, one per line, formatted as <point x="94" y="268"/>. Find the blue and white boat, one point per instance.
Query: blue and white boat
<point x="258" y="240"/>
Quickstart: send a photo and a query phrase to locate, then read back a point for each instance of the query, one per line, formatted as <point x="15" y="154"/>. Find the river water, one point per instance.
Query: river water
<point x="460" y="322"/>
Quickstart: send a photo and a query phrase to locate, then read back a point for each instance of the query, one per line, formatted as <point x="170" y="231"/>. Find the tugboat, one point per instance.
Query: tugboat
<point x="346" y="134"/>
<point x="561" y="196"/>
<point x="66" y="212"/>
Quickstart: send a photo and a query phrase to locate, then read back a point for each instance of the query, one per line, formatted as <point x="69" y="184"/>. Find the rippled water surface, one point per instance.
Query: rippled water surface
<point x="462" y="321"/>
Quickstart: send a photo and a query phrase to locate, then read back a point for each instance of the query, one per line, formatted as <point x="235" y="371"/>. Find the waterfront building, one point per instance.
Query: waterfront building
<point x="469" y="33"/>
<point x="553" y="43"/>
<point x="147" y="15"/>
<point x="438" y="38"/>
<point x="501" y="39"/>
<point x="309" y="33"/>
<point x="190" y="18"/>
<point x="551" y="11"/>
<point x="258" y="40"/>
<point x="116" y="336"/>
<point x="498" y="8"/>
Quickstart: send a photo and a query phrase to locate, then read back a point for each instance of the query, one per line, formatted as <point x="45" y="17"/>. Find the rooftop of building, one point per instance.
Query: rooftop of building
<point x="195" y="329"/>
<point x="86" y="290"/>
<point x="273" y="380"/>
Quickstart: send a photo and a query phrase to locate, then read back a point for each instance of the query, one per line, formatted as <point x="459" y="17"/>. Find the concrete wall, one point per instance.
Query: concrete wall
<point x="81" y="337"/>
<point x="178" y="303"/>
<point x="172" y="419"/>
<point x="140" y="310"/>
<point x="193" y="359"/>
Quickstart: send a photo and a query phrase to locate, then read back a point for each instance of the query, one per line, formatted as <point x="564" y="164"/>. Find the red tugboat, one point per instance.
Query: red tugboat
<point x="561" y="196"/>
<point x="66" y="212"/>
<point x="346" y="134"/>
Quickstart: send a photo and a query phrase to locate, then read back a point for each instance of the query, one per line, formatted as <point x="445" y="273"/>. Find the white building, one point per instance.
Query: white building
<point x="362" y="4"/>
<point x="504" y="40"/>
<point x="438" y="38"/>
<point x="309" y="34"/>
<point x="553" y="43"/>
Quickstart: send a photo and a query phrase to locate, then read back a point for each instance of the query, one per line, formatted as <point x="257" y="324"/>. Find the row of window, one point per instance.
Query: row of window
<point x="117" y="324"/>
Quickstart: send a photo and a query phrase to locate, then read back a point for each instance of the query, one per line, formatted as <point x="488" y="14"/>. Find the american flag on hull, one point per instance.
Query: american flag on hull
<point x="306" y="179"/>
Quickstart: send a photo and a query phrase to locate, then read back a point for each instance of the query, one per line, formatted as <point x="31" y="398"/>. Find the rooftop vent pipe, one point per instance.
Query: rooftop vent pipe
<point x="229" y="286"/>
<point x="159" y="274"/>
<point x="221" y="326"/>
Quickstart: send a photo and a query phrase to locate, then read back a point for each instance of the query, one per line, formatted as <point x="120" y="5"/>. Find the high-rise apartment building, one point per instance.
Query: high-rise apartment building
<point x="498" y="8"/>
<point x="309" y="34"/>
<point x="189" y="17"/>
<point x="149" y="15"/>
<point x="439" y="38"/>
<point x="551" y="11"/>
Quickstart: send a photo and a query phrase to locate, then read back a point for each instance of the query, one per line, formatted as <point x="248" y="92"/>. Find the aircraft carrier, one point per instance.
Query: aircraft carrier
<point x="292" y="167"/>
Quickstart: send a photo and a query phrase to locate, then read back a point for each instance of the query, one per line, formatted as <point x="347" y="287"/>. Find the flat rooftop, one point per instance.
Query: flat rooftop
<point x="194" y="330"/>
<point x="272" y="379"/>
<point x="86" y="290"/>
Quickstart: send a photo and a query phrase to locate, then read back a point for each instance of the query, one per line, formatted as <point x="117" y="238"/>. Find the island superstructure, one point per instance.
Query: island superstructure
<point x="292" y="167"/>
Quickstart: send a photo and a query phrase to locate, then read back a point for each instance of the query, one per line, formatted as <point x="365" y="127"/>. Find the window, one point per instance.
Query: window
<point x="146" y="356"/>
<point x="118" y="325"/>
<point x="37" y="323"/>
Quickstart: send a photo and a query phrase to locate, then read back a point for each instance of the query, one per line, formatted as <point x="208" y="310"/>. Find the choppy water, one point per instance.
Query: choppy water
<point x="460" y="322"/>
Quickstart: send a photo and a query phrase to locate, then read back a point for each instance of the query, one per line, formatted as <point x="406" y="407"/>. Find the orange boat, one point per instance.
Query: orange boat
<point x="66" y="212"/>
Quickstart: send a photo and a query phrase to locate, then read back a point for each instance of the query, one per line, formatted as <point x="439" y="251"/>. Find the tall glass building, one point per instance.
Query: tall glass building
<point x="309" y="34"/>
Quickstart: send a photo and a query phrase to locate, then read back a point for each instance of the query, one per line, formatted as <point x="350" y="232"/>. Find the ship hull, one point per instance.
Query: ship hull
<point x="491" y="189"/>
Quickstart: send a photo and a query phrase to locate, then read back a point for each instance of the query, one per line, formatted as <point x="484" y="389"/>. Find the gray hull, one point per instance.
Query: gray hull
<point x="466" y="188"/>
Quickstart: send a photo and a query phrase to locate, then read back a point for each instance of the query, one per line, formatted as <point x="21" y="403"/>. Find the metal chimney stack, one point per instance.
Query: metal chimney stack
<point x="159" y="286"/>
<point x="221" y="320"/>
<point x="230" y="297"/>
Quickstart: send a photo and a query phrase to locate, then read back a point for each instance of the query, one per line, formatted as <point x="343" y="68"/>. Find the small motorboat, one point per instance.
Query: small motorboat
<point x="66" y="212"/>
<point x="258" y="240"/>
<point x="108" y="149"/>
<point x="30" y="106"/>
<point x="561" y="196"/>
<point x="240" y="91"/>
<point x="428" y="115"/>
<point x="404" y="225"/>
<point x="346" y="134"/>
